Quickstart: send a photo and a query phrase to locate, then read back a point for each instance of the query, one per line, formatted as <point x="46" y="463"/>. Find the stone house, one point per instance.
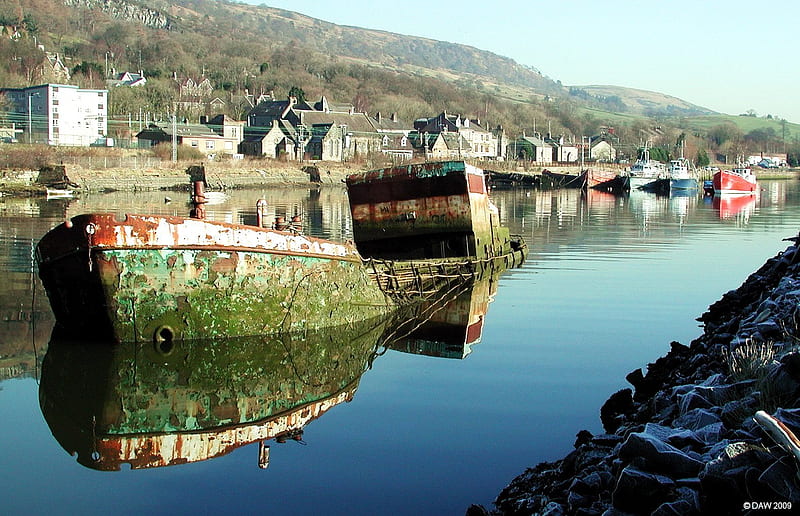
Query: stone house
<point x="277" y="142"/>
<point x="481" y="142"/>
<point x="563" y="152"/>
<point x="439" y="146"/>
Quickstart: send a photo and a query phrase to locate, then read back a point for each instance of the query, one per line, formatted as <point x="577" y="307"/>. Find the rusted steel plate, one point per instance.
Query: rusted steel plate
<point x="195" y="279"/>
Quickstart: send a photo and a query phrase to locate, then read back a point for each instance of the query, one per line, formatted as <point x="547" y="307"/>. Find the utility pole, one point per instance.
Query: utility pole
<point x="174" y="137"/>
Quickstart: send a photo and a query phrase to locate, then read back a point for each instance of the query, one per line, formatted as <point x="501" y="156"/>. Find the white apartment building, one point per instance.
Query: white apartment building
<point x="59" y="114"/>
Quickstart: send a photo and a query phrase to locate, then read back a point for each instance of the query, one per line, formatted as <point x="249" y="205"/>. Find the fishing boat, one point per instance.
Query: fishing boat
<point x="646" y="173"/>
<point x="738" y="180"/>
<point x="681" y="176"/>
<point x="160" y="278"/>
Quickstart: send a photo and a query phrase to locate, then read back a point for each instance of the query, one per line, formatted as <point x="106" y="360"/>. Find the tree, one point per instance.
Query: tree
<point x="298" y="93"/>
<point x="702" y="158"/>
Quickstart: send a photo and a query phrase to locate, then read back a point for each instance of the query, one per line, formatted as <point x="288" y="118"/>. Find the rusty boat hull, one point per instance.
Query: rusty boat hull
<point x="167" y="278"/>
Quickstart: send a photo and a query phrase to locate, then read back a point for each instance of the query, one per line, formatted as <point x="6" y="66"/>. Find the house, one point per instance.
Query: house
<point x="482" y="143"/>
<point x="320" y="131"/>
<point x="277" y="142"/>
<point x="218" y="135"/>
<point x="439" y="145"/>
<point x="563" y="152"/>
<point x="59" y="114"/>
<point x="193" y="94"/>
<point x="531" y="148"/>
<point x="129" y="79"/>
<point x="601" y="148"/>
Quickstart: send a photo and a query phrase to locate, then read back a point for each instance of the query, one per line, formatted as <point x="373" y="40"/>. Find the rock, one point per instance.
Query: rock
<point x="724" y="479"/>
<point x="780" y="479"/>
<point x="476" y="510"/>
<point x="697" y="419"/>
<point x="640" y="492"/>
<point x="692" y="400"/>
<point x="658" y="456"/>
<point x="621" y="402"/>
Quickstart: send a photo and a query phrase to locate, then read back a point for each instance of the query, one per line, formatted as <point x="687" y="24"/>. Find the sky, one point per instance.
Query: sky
<point x="728" y="56"/>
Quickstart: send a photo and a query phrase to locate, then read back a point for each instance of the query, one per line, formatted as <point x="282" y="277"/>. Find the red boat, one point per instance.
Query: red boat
<point x="739" y="180"/>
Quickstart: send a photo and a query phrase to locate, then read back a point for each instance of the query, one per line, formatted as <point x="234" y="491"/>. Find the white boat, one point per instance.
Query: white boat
<point x="59" y="193"/>
<point x="646" y="173"/>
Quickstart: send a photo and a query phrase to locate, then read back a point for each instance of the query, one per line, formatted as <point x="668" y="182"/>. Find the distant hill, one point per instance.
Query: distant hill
<point x="641" y="102"/>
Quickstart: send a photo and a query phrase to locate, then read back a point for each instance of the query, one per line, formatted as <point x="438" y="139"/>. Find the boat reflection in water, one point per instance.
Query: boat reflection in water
<point x="449" y="326"/>
<point x="160" y="404"/>
<point x="739" y="206"/>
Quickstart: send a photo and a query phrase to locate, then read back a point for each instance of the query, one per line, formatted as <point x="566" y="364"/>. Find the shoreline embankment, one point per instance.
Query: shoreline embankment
<point x="684" y="439"/>
<point x="232" y="175"/>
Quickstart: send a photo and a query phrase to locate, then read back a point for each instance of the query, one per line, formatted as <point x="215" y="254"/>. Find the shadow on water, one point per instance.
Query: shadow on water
<point x="161" y="404"/>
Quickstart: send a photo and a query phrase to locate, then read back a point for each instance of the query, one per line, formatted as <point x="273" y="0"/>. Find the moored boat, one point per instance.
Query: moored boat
<point x="646" y="173"/>
<point x="607" y="180"/>
<point x="740" y="179"/>
<point x="562" y="180"/>
<point x="681" y="176"/>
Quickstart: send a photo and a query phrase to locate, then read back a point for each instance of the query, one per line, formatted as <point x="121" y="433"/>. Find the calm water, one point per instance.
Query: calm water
<point x="609" y="282"/>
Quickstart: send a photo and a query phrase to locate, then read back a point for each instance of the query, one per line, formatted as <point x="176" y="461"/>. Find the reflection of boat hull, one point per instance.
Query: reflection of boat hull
<point x="726" y="181"/>
<point x="152" y="406"/>
<point x="730" y="205"/>
<point x="168" y="278"/>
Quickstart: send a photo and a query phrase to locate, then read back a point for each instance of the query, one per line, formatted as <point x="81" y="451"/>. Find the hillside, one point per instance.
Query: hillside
<point x="245" y="50"/>
<point x="641" y="102"/>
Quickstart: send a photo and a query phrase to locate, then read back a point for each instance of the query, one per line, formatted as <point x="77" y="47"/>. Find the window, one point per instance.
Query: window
<point x="385" y="141"/>
<point x="55" y="121"/>
<point x="209" y="144"/>
<point x="99" y="106"/>
<point x="55" y="102"/>
<point x="194" y="143"/>
<point x="99" y="93"/>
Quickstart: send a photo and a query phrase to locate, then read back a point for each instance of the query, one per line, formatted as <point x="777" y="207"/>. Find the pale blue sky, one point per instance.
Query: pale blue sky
<point x="729" y="56"/>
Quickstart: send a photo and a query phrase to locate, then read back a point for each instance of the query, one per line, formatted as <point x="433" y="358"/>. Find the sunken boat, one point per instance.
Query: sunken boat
<point x="419" y="223"/>
<point x="417" y="229"/>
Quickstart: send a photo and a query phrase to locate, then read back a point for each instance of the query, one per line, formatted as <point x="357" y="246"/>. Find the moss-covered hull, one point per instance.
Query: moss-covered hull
<point x="163" y="279"/>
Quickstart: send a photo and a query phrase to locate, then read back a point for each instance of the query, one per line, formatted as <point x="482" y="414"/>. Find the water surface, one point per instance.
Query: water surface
<point x="609" y="283"/>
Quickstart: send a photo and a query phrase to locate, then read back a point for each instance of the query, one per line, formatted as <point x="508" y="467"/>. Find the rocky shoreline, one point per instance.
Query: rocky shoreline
<point x="683" y="440"/>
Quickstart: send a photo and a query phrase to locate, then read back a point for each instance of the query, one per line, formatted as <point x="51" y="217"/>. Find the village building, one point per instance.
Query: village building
<point x="439" y="146"/>
<point x="563" y="152"/>
<point x="531" y="148"/>
<point x="480" y="142"/>
<point x="218" y="135"/>
<point x="59" y="114"/>
<point x="129" y="79"/>
<point x="601" y="148"/>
